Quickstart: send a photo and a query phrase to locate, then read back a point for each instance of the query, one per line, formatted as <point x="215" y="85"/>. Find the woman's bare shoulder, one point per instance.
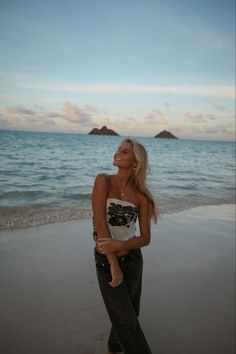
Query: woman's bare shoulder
<point x="103" y="178"/>
<point x="142" y="199"/>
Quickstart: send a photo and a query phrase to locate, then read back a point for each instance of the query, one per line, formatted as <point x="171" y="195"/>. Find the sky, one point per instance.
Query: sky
<point x="136" y="66"/>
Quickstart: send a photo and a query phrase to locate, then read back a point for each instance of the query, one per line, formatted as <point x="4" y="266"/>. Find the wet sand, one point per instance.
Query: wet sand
<point x="50" y="301"/>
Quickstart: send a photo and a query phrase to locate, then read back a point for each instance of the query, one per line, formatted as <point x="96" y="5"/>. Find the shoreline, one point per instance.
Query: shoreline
<point x="50" y="301"/>
<point x="22" y="217"/>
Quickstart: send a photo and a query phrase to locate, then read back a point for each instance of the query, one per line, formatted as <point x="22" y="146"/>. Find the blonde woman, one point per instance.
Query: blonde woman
<point x="118" y="201"/>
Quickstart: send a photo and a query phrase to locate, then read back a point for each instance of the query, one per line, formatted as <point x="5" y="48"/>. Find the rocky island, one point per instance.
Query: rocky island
<point x="165" y="135"/>
<point x="103" y="131"/>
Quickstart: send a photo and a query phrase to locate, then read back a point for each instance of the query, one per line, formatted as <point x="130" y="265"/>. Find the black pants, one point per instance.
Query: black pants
<point x="122" y="303"/>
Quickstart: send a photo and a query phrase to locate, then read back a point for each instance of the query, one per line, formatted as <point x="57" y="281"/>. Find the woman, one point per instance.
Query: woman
<point x="118" y="200"/>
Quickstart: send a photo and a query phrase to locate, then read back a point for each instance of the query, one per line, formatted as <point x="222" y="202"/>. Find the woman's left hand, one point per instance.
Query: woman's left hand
<point x="107" y="245"/>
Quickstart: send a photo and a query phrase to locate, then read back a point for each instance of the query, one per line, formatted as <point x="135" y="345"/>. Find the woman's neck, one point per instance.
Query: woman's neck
<point x="122" y="180"/>
<point x="123" y="176"/>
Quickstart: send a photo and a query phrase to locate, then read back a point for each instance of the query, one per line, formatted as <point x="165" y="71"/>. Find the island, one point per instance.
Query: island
<point x="103" y="131"/>
<point x="165" y="135"/>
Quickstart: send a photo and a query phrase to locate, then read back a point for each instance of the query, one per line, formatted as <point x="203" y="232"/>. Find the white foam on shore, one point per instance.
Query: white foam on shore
<point x="30" y="216"/>
<point x="222" y="212"/>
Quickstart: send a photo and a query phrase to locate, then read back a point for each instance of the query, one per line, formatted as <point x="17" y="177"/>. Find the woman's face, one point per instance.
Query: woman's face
<point x="124" y="157"/>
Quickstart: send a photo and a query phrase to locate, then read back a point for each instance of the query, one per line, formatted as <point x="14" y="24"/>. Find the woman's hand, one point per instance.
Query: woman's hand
<point x="107" y="245"/>
<point x="116" y="275"/>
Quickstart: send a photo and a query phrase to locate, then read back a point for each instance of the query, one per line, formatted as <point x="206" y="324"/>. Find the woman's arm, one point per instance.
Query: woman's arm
<point x="111" y="245"/>
<point x="99" y="199"/>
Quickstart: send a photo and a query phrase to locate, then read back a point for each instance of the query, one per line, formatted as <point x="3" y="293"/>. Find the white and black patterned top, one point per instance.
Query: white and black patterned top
<point x="121" y="218"/>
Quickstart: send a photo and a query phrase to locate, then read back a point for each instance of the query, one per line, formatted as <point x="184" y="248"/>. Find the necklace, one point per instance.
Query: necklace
<point x="122" y="191"/>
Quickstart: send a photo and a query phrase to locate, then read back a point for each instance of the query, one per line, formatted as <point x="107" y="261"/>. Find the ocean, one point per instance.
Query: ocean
<point x="48" y="177"/>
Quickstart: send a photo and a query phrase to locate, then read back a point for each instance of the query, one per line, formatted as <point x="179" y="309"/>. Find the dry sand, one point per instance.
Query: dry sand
<point x="50" y="302"/>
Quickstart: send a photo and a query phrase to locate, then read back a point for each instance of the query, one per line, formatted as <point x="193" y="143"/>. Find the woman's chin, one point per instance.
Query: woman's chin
<point x="115" y="163"/>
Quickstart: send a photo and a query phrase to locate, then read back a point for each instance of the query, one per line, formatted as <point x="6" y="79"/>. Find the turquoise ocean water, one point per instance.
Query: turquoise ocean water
<point x="48" y="177"/>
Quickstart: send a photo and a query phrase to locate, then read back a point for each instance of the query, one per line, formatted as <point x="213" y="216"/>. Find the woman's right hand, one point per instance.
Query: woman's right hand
<point x="116" y="275"/>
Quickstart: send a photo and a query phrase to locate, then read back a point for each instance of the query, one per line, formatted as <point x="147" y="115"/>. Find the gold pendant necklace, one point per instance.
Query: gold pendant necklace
<point x="122" y="191"/>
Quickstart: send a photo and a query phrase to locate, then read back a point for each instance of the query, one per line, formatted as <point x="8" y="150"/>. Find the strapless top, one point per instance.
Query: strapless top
<point x="121" y="218"/>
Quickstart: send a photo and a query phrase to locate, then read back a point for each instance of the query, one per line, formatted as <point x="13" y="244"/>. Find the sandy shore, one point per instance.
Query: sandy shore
<point x="50" y="302"/>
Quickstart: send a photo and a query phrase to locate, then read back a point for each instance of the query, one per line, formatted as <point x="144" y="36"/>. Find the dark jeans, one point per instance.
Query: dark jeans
<point x="122" y="303"/>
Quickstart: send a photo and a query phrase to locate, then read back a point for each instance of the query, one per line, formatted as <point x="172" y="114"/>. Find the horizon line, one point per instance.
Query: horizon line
<point x="122" y="136"/>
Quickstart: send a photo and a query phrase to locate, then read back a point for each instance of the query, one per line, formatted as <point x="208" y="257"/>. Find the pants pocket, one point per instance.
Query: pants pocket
<point x="101" y="261"/>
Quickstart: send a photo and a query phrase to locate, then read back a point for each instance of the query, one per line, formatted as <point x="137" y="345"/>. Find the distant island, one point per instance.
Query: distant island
<point x="103" y="131"/>
<point x="165" y="135"/>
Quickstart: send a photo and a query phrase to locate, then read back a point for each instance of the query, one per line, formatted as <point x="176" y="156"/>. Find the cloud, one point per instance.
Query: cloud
<point x="19" y="110"/>
<point x="208" y="126"/>
<point x="38" y="118"/>
<point x="54" y="115"/>
<point x="224" y="91"/>
<point x="211" y="116"/>
<point x="200" y="117"/>
<point x="219" y="107"/>
<point x="219" y="130"/>
<point x="78" y="115"/>
<point x="156" y="117"/>
<point x="74" y="114"/>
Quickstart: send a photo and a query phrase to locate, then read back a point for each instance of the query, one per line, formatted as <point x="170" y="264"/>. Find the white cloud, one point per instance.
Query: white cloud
<point x="19" y="110"/>
<point x="25" y="118"/>
<point x="196" y="118"/>
<point x="200" y="117"/>
<point x="216" y="105"/>
<point x="223" y="91"/>
<point x="79" y="115"/>
<point x="156" y="117"/>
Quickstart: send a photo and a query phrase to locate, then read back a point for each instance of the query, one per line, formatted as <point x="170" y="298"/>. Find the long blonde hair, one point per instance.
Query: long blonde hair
<point x="138" y="175"/>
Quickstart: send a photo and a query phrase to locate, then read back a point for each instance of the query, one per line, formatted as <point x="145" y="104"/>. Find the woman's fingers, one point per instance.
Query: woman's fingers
<point x="107" y="245"/>
<point x="114" y="283"/>
<point x="116" y="276"/>
<point x="102" y="246"/>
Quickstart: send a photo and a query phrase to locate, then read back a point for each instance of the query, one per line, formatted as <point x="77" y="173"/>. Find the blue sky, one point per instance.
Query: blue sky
<point x="138" y="67"/>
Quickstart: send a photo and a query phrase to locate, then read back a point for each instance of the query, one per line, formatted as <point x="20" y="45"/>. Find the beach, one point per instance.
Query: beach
<point x="51" y="304"/>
